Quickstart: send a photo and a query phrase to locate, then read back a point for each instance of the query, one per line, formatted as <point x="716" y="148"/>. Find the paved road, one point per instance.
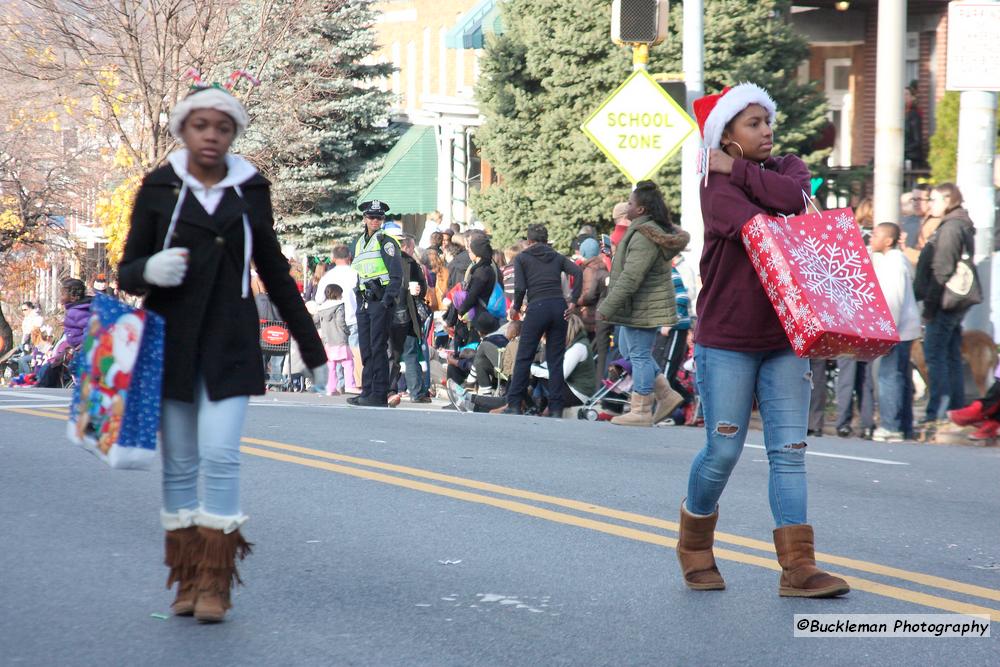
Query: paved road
<point x="397" y="537"/>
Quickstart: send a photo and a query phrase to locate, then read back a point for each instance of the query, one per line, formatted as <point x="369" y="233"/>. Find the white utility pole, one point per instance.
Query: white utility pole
<point x="973" y="29"/>
<point x="889" y="84"/>
<point x="977" y="131"/>
<point x="694" y="80"/>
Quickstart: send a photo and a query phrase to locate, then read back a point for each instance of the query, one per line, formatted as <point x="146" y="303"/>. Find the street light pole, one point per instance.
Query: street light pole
<point x="891" y="68"/>
<point x="640" y="57"/>
<point x="694" y="81"/>
<point x="977" y="130"/>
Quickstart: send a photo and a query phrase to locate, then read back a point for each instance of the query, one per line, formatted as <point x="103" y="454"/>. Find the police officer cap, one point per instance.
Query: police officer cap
<point x="374" y="208"/>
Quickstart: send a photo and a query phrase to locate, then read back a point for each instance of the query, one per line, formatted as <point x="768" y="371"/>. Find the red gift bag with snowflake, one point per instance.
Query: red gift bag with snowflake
<point x="819" y="277"/>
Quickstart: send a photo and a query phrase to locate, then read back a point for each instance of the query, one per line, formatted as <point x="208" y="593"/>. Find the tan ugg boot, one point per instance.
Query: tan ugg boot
<point x="183" y="548"/>
<point x="799" y="575"/>
<point x="217" y="572"/>
<point x="667" y="399"/>
<point x="694" y="551"/>
<point x="641" y="413"/>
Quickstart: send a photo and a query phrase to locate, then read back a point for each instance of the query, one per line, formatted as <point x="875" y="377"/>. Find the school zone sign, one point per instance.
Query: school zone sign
<point x="639" y="126"/>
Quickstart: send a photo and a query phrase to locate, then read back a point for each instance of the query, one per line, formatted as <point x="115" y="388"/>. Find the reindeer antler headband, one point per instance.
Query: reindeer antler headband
<point x="201" y="84"/>
<point x="217" y="96"/>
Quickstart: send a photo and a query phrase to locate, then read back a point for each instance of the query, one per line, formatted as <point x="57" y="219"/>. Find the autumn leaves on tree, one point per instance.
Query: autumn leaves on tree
<point x="91" y="84"/>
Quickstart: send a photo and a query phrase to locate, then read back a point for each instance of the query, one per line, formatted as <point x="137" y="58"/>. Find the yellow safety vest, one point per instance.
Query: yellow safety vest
<point x="368" y="260"/>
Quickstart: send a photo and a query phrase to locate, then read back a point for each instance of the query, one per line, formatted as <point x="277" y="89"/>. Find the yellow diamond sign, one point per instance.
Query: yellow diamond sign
<point x="639" y="126"/>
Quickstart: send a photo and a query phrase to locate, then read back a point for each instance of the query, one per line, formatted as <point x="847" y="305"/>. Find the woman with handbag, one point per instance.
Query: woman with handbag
<point x="741" y="350"/>
<point x="480" y="280"/>
<point x="197" y="223"/>
<point x="948" y="252"/>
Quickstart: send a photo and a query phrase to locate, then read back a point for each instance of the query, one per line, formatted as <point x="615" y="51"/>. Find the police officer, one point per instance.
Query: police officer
<point x="380" y="276"/>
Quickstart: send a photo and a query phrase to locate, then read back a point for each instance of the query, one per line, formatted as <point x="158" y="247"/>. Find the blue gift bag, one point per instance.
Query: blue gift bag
<point x="119" y="377"/>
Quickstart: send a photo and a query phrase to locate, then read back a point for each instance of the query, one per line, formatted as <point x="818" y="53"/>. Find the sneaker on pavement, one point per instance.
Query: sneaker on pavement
<point x="885" y="435"/>
<point x="457" y="395"/>
<point x="987" y="431"/>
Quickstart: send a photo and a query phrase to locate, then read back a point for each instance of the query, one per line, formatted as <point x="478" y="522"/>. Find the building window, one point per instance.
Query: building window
<point x="840" y="103"/>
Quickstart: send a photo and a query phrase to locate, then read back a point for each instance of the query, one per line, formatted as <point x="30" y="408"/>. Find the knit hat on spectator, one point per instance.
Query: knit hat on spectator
<point x="590" y="248"/>
<point x="211" y="96"/>
<point x="480" y="246"/>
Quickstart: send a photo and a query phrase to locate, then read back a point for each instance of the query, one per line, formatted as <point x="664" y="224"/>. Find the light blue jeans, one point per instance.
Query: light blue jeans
<point x="636" y="345"/>
<point x="728" y="381"/>
<point x="205" y="436"/>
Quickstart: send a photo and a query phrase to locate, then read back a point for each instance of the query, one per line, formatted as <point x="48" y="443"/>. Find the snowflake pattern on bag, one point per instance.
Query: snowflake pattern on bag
<point x="834" y="272"/>
<point x="819" y="277"/>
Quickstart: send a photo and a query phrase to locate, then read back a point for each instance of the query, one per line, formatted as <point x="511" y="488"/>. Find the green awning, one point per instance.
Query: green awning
<point x="470" y="31"/>
<point x="408" y="180"/>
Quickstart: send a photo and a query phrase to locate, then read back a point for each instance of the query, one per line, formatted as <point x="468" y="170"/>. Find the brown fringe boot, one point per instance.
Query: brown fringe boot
<point x="694" y="551"/>
<point x="183" y="549"/>
<point x="217" y="572"/>
<point x="799" y="575"/>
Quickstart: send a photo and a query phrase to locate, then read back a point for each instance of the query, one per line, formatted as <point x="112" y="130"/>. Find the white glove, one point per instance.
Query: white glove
<point x="166" y="268"/>
<point x="320" y="376"/>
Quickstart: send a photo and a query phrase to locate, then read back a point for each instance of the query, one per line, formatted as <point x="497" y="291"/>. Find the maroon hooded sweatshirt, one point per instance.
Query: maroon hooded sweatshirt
<point x="734" y="312"/>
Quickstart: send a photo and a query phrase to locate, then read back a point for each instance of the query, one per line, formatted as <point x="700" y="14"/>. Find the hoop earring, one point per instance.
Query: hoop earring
<point x="738" y="146"/>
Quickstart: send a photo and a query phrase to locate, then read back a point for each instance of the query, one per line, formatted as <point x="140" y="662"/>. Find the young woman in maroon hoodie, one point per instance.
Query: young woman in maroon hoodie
<point x="741" y="350"/>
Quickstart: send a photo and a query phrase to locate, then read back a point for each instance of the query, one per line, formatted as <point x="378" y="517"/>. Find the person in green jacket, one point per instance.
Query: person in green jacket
<point x="641" y="300"/>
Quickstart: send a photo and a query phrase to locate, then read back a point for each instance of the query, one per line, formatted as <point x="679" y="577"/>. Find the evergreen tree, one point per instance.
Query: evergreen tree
<point x="943" y="154"/>
<point x="322" y="136"/>
<point x="555" y="64"/>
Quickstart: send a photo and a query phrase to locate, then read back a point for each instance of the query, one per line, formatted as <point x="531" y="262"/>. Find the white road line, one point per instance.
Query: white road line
<point x="886" y="462"/>
<point x="31" y="395"/>
<point x="21" y="406"/>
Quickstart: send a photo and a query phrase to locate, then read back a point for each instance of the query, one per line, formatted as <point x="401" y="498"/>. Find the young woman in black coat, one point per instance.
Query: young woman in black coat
<point x="481" y="277"/>
<point x="197" y="223"/>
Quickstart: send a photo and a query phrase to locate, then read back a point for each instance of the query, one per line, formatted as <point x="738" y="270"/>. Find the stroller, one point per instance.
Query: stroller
<point x="613" y="393"/>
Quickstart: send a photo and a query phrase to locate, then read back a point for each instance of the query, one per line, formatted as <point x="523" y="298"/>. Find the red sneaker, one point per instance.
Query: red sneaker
<point x="987" y="431"/>
<point x="970" y="414"/>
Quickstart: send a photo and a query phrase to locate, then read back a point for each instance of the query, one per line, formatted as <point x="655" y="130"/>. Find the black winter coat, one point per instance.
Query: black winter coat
<point x="479" y="286"/>
<point x="210" y="328"/>
<point x="457" y="268"/>
<point x="940" y="256"/>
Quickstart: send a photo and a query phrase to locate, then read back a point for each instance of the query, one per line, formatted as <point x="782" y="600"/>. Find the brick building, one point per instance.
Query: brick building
<point x="435" y="46"/>
<point x="843" y="38"/>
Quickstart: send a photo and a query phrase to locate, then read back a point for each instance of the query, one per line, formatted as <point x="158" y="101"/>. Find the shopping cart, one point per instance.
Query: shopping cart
<point x="275" y="342"/>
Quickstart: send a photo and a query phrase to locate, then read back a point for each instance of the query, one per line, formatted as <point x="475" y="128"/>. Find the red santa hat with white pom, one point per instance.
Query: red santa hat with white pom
<point x="714" y="112"/>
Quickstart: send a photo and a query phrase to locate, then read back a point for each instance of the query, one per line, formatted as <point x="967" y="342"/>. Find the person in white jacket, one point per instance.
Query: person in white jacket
<point x="895" y="380"/>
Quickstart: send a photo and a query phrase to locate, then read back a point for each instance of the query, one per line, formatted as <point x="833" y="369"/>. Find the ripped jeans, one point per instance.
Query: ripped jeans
<point x="728" y="381"/>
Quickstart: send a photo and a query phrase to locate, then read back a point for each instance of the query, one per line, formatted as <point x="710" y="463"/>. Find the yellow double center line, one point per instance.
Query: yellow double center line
<point x="371" y="470"/>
